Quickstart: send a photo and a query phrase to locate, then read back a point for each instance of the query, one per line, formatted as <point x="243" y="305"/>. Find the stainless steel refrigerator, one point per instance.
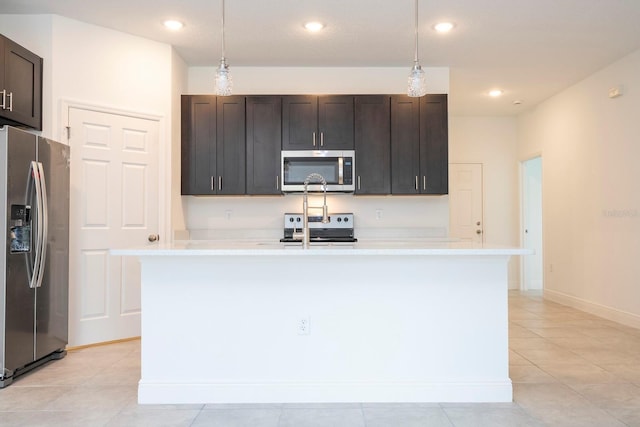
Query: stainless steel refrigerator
<point x="34" y="257"/>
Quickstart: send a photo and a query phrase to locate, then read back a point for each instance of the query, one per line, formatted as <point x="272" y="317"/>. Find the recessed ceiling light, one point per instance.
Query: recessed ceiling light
<point x="172" y="24"/>
<point x="314" y="26"/>
<point x="495" y="93"/>
<point x="443" y="27"/>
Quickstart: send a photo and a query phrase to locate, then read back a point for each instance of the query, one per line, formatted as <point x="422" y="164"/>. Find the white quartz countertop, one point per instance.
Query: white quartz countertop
<point x="362" y="247"/>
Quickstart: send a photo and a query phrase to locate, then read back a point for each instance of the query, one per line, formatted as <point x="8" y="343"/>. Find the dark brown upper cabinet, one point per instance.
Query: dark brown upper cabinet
<point x="323" y="122"/>
<point x="213" y="145"/>
<point x="373" y="144"/>
<point x="198" y="144"/>
<point x="231" y="145"/>
<point x="264" y="141"/>
<point x="20" y="86"/>
<point x="434" y="144"/>
<point x="419" y="145"/>
<point x="405" y="145"/>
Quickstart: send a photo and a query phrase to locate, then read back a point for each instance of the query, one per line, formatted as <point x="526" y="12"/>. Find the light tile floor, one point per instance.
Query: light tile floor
<point x="569" y="368"/>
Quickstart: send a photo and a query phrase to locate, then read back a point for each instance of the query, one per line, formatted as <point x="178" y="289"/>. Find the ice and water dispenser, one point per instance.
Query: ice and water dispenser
<point x="20" y="229"/>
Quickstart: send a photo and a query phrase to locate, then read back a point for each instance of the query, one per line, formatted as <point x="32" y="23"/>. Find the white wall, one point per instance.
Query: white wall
<point x="319" y="80"/>
<point x="591" y="202"/>
<point x="179" y="86"/>
<point x="492" y="141"/>
<point x="108" y="68"/>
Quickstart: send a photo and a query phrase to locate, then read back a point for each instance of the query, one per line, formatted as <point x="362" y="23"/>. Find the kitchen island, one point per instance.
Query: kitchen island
<point x="378" y="321"/>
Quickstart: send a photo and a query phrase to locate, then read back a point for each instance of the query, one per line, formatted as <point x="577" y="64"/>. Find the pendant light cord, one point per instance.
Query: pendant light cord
<point x="222" y="29"/>
<point x="415" y="59"/>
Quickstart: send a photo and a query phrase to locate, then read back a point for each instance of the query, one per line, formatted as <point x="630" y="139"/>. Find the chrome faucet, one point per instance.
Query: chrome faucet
<point x="305" y="234"/>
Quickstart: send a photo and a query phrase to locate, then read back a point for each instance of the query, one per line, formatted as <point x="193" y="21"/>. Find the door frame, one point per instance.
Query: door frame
<point x="523" y="204"/>
<point x="164" y="163"/>
<point x="164" y="154"/>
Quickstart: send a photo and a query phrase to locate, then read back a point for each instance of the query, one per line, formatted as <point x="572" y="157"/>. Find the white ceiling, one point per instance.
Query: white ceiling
<point x="531" y="49"/>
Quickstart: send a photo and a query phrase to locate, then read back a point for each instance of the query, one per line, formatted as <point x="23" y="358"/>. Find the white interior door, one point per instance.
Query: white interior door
<point x="465" y="202"/>
<point x="532" y="270"/>
<point x="114" y="204"/>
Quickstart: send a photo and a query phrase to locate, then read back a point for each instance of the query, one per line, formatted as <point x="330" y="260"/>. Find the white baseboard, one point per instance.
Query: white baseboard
<point x="609" y="313"/>
<point x="202" y="393"/>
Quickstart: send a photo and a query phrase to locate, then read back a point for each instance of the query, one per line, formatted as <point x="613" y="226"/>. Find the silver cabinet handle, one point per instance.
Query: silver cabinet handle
<point x="321" y="139"/>
<point x="314" y="139"/>
<point x="416" y="183"/>
<point x="212" y="184"/>
<point x="5" y="95"/>
<point x="424" y="182"/>
<point x="219" y="183"/>
<point x="277" y="182"/>
<point x="358" y="182"/>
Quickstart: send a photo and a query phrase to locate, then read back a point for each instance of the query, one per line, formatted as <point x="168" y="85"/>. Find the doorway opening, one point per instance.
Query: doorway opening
<point x="531" y="209"/>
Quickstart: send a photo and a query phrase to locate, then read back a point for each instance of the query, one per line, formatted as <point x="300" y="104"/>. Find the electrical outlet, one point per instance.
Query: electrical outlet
<point x="304" y="326"/>
<point x="227" y="214"/>
<point x="378" y="214"/>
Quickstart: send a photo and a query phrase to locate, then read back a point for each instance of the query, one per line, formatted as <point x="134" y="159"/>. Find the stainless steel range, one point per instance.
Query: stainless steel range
<point x="338" y="229"/>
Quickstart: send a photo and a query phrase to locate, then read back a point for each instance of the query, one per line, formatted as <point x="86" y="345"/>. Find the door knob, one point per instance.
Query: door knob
<point x="478" y="223"/>
<point x="153" y="237"/>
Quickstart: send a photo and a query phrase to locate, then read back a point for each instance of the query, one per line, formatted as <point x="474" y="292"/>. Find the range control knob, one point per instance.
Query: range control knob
<point x="291" y="219"/>
<point x="339" y="219"/>
<point x="346" y="219"/>
<point x="298" y="219"/>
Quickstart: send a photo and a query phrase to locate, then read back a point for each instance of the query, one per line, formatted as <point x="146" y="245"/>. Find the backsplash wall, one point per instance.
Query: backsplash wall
<point x="262" y="217"/>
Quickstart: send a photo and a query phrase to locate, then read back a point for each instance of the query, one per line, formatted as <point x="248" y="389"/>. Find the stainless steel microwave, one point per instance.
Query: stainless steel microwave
<point x="336" y="167"/>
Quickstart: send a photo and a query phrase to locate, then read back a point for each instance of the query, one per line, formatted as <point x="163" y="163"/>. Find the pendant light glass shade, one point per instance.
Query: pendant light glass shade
<point x="417" y="82"/>
<point x="224" y="82"/>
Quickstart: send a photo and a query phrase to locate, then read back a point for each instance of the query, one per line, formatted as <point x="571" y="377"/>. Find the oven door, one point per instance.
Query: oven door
<point x="336" y="167"/>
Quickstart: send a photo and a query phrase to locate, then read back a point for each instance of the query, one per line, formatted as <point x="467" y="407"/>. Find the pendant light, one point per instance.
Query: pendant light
<point x="224" y="82"/>
<point x="417" y="79"/>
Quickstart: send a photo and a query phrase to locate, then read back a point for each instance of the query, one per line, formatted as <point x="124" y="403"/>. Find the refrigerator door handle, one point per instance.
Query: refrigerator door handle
<point x="34" y="174"/>
<point x="44" y="236"/>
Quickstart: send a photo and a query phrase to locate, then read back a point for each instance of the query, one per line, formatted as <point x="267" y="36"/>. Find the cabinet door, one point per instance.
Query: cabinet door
<point x="264" y="139"/>
<point x="405" y="144"/>
<point x="300" y="122"/>
<point x="198" y="144"/>
<point x="373" y="144"/>
<point x="21" y="79"/>
<point x="335" y="122"/>
<point x="434" y="145"/>
<point x="230" y="141"/>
